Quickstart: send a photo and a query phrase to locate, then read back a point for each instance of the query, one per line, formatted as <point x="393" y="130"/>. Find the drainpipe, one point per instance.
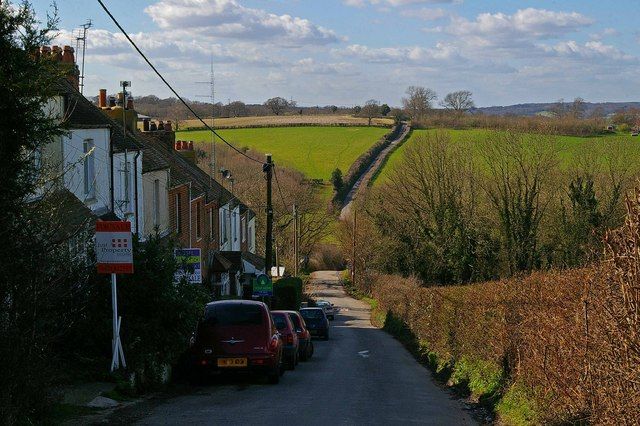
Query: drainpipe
<point x="135" y="180"/>
<point x="113" y="207"/>
<point x="189" y="204"/>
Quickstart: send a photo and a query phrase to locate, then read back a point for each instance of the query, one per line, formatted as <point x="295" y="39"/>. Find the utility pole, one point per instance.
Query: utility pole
<point x="295" y="241"/>
<point x="353" y="253"/>
<point x="268" y="251"/>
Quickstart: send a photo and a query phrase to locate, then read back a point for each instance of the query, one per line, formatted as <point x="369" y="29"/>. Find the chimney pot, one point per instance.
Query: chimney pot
<point x="145" y="125"/>
<point x="56" y="53"/>
<point x="190" y="145"/>
<point x="153" y="127"/>
<point x="45" y="50"/>
<point x="161" y="125"/>
<point x="129" y="103"/>
<point x="167" y="126"/>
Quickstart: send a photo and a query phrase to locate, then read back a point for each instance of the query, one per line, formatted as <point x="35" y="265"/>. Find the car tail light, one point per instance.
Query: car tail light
<point x="203" y="362"/>
<point x="290" y="338"/>
<point x="273" y="345"/>
<point x="258" y="361"/>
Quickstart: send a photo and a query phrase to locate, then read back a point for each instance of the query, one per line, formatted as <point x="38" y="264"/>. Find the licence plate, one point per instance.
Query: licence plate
<point x="232" y="362"/>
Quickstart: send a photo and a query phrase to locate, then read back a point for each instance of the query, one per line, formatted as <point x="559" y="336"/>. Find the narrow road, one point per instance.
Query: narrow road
<point x="361" y="376"/>
<point x="363" y="181"/>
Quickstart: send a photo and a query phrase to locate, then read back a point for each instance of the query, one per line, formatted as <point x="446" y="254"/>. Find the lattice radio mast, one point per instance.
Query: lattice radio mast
<point x="212" y="97"/>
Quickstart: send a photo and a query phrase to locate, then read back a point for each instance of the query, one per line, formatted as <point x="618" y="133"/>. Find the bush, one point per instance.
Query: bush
<point x="288" y="293"/>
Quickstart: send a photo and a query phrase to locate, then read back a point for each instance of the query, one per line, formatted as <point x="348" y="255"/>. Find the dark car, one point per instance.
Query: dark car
<point x="317" y="322"/>
<point x="239" y="335"/>
<point x="289" y="337"/>
<point x="304" y="337"/>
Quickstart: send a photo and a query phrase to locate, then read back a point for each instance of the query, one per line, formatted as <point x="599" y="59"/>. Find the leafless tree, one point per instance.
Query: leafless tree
<point x="237" y="109"/>
<point x="519" y="188"/>
<point x="418" y="102"/>
<point x="459" y="101"/>
<point x="371" y="109"/>
<point x="277" y="105"/>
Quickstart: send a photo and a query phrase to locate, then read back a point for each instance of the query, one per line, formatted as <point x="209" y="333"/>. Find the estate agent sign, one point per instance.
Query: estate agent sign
<point x="114" y="248"/>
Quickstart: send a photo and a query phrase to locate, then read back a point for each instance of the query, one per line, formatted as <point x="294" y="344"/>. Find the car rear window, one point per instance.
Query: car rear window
<point x="280" y="321"/>
<point x="311" y="313"/>
<point x="234" y="314"/>
<point x="295" y="320"/>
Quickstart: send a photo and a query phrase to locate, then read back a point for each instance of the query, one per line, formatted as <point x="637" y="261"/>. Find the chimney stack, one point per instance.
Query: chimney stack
<point x="56" y="53"/>
<point x="67" y="55"/>
<point x="102" y="98"/>
<point x="185" y="148"/>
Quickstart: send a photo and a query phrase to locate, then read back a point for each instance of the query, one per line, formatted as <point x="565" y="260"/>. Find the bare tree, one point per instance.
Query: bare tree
<point x="277" y="105"/>
<point x="459" y="101"/>
<point x="519" y="188"/>
<point x="371" y="109"/>
<point x="418" y="102"/>
<point x="577" y="108"/>
<point x="237" y="109"/>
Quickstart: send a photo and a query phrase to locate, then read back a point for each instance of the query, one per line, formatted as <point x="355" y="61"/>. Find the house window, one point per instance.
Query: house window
<point x="211" y="224"/>
<point x="243" y="225"/>
<point x="178" y="213"/>
<point x="224" y="226"/>
<point x="235" y="226"/>
<point x="156" y="202"/>
<point x="198" y="222"/>
<point x="250" y="237"/>
<point x="88" y="149"/>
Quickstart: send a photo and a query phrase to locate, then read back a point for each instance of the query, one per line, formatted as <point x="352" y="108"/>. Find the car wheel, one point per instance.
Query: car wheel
<point x="291" y="365"/>
<point x="304" y="355"/>
<point x="274" y="377"/>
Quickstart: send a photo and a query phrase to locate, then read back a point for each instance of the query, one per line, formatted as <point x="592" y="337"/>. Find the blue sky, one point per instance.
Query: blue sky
<point x="348" y="51"/>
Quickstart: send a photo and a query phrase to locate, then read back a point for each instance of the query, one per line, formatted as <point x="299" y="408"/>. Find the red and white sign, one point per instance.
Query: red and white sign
<point x="114" y="247"/>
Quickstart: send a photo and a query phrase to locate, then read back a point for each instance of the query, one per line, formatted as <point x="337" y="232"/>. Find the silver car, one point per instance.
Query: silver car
<point x="329" y="309"/>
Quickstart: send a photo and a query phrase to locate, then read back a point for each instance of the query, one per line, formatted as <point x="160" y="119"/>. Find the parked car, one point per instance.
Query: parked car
<point x="239" y="335"/>
<point x="328" y="307"/>
<point x="304" y="337"/>
<point x="317" y="322"/>
<point x="289" y="337"/>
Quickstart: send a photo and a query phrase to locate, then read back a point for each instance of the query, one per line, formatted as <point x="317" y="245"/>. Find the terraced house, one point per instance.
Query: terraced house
<point x="116" y="172"/>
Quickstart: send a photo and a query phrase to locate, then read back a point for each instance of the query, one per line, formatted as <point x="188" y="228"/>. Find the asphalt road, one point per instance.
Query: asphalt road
<point x="361" y="376"/>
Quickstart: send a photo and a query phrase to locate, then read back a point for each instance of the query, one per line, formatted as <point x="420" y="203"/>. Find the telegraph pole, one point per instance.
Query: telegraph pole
<point x="268" y="251"/>
<point x="295" y="241"/>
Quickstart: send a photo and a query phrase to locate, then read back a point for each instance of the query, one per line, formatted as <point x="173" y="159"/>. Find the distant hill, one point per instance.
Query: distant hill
<point x="537" y="109"/>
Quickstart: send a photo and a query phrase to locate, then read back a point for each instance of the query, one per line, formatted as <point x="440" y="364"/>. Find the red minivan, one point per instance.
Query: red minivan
<point x="239" y="335"/>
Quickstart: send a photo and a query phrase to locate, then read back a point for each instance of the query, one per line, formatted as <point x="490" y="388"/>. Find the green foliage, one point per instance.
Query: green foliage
<point x="483" y="378"/>
<point x="385" y="109"/>
<point x="516" y="408"/>
<point x="288" y="293"/>
<point x="158" y="315"/>
<point x="336" y="181"/>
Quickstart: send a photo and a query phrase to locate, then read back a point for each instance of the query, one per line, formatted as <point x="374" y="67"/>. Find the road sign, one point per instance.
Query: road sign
<point x="189" y="265"/>
<point x="114" y="247"/>
<point x="262" y="286"/>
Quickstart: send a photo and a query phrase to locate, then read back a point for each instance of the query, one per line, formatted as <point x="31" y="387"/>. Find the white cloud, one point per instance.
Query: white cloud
<point x="396" y="3"/>
<point x="425" y="13"/>
<point x="589" y="50"/>
<point x="520" y="28"/>
<point x="415" y="55"/>
<point x="229" y="19"/>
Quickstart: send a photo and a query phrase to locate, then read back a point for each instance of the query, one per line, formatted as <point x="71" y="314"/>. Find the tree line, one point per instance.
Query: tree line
<point x="457" y="212"/>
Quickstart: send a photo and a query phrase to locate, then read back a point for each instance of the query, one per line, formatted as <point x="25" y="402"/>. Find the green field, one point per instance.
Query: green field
<point x="568" y="146"/>
<point x="314" y="151"/>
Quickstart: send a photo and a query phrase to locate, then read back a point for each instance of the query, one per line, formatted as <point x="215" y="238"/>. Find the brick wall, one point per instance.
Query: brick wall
<point x="179" y="223"/>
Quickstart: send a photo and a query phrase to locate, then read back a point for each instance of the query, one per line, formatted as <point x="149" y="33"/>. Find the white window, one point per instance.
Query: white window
<point x="211" y="223"/>
<point x="243" y="225"/>
<point x="178" y="213"/>
<point x="250" y="237"/>
<point x="224" y="226"/>
<point x="198" y="222"/>
<point x="235" y="226"/>
<point x="156" y="202"/>
<point x="88" y="149"/>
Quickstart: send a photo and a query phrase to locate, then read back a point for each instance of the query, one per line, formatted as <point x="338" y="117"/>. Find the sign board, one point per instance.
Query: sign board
<point x="189" y="265"/>
<point x="262" y="286"/>
<point x="114" y="247"/>
<point x="277" y="271"/>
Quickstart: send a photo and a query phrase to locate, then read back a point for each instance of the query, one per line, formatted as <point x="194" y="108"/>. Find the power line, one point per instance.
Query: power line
<point x="279" y="189"/>
<point x="135" y="46"/>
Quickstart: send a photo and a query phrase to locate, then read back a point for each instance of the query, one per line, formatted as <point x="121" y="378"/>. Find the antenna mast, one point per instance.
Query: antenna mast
<point x="211" y="96"/>
<point x="81" y="41"/>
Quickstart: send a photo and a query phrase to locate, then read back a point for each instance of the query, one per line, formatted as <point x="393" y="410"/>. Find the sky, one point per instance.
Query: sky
<point x="345" y="52"/>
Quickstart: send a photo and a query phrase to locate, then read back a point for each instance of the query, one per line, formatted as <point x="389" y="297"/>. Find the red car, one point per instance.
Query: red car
<point x="304" y="337"/>
<point x="239" y="335"/>
<point x="289" y="337"/>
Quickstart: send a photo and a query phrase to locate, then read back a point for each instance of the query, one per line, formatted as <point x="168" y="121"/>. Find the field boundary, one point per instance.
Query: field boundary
<point x="384" y="162"/>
